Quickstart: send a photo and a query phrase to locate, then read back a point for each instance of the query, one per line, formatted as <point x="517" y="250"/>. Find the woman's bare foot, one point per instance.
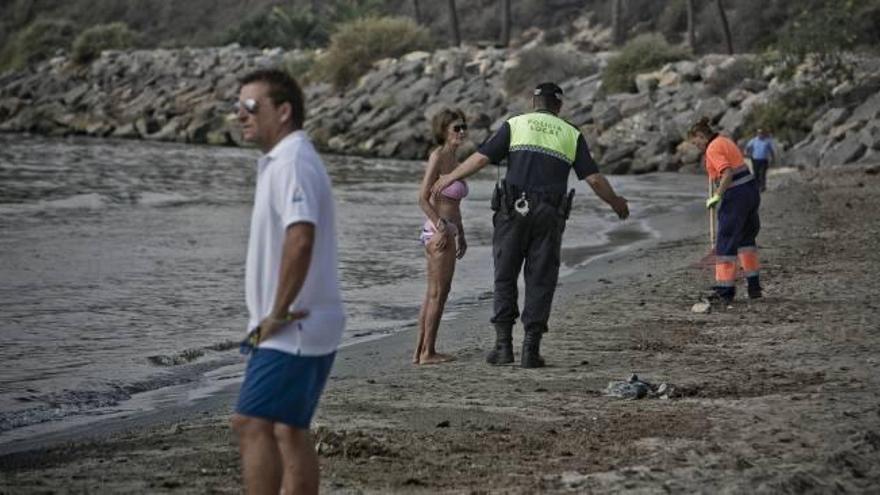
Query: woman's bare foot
<point x="436" y="358"/>
<point x="417" y="356"/>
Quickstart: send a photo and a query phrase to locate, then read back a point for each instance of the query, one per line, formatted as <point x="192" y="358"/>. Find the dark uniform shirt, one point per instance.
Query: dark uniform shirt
<point x="537" y="170"/>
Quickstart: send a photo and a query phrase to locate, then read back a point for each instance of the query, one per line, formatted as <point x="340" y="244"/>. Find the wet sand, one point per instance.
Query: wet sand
<point x="778" y="395"/>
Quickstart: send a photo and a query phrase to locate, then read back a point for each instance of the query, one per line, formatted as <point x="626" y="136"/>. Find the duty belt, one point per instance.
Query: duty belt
<point x="535" y="197"/>
<point x="512" y="198"/>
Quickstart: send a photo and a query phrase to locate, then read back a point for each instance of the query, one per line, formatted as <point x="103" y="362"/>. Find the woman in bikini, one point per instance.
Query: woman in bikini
<point x="442" y="234"/>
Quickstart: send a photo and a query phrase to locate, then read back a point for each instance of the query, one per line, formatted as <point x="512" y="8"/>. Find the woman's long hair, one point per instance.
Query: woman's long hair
<point x="440" y="123"/>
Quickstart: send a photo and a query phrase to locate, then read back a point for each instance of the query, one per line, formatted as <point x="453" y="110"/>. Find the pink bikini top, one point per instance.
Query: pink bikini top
<point x="456" y="190"/>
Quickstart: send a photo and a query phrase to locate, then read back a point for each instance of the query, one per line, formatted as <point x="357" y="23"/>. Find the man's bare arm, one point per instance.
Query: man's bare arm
<point x="600" y="185"/>
<point x="469" y="167"/>
<point x="296" y="256"/>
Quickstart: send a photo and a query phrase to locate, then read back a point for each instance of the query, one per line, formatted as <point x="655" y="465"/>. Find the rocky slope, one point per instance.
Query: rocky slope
<point x="186" y="95"/>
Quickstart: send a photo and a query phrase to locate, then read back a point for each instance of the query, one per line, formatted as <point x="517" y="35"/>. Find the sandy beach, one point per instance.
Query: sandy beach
<point x="777" y="395"/>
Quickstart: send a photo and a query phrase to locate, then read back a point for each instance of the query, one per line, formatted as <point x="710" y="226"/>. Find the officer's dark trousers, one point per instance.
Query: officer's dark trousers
<point x="534" y="241"/>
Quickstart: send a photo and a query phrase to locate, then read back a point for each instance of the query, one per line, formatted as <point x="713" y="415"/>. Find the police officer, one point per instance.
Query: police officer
<point x="531" y="206"/>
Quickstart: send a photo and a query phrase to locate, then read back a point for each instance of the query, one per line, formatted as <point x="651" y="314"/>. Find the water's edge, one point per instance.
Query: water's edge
<point x="216" y="391"/>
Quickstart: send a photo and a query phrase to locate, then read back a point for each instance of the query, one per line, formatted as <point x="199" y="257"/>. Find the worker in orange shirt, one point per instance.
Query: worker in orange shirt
<point x="737" y="199"/>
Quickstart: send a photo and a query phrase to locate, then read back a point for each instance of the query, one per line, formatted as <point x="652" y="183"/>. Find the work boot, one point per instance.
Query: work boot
<point x="755" y="290"/>
<point x="721" y="295"/>
<point x="503" y="351"/>
<point x="531" y="350"/>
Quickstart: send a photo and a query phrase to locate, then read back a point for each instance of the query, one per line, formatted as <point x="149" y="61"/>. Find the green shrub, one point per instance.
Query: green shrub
<point x="91" y="42"/>
<point x="359" y="43"/>
<point x="292" y="27"/>
<point x="729" y="76"/>
<point x="299" y="64"/>
<point x="542" y="64"/>
<point x="789" y="117"/>
<point x="643" y="54"/>
<point x="40" y="40"/>
<point x="281" y="27"/>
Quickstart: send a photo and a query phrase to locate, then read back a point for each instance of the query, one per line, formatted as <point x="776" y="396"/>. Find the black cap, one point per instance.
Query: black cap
<point x="549" y="89"/>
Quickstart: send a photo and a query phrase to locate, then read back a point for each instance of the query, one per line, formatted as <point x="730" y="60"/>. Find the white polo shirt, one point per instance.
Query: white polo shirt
<point x="293" y="186"/>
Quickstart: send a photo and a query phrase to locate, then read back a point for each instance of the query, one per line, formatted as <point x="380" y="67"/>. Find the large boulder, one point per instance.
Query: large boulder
<point x="146" y="126"/>
<point x="713" y="107"/>
<point x="830" y="119"/>
<point x="736" y="96"/>
<point x="606" y="113"/>
<point x="869" y="110"/>
<point x="579" y="114"/>
<point x="733" y="122"/>
<point x="847" y="151"/>
<point x="870" y="135"/>
<point x="9" y="106"/>
<point x="633" y="104"/>
<point x="73" y="96"/>
<point x="688" y="154"/>
<point x="202" y="125"/>
<point x="675" y="127"/>
<point x="669" y="79"/>
<point x="850" y="93"/>
<point x="582" y="89"/>
<point x="753" y="85"/>
<point x="839" y="132"/>
<point x="619" y="152"/>
<point x="647" y="82"/>
<point x="651" y="154"/>
<point x="126" y="131"/>
<point x="168" y="132"/>
<point x="804" y="154"/>
<point x="418" y="94"/>
<point x="688" y="69"/>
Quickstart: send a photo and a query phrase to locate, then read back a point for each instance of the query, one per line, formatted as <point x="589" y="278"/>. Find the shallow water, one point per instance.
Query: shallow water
<point x="122" y="262"/>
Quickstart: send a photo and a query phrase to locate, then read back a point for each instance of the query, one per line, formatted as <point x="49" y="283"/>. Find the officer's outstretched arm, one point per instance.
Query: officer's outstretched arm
<point x="469" y="167"/>
<point x="603" y="189"/>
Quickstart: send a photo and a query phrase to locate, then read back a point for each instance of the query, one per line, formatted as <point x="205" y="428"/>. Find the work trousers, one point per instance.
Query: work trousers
<point x="738" y="227"/>
<point x="534" y="242"/>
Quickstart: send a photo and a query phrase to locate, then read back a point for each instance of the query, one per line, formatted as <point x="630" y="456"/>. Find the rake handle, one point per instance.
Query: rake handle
<point x="711" y="213"/>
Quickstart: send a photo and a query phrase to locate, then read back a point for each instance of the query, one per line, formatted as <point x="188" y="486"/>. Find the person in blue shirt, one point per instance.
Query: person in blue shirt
<point x="760" y="150"/>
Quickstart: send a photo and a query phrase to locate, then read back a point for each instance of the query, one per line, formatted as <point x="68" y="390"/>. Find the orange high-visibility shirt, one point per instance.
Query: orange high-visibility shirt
<point x="722" y="154"/>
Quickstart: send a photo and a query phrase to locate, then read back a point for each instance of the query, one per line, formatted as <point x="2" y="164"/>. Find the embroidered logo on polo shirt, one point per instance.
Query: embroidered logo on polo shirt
<point x="297" y="196"/>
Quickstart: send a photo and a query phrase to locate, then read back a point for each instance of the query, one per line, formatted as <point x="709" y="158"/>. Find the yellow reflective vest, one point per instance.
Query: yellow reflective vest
<point x="544" y="133"/>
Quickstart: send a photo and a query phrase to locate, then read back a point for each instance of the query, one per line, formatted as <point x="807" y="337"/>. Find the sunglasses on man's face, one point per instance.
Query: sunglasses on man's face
<point x="249" y="105"/>
<point x="459" y="128"/>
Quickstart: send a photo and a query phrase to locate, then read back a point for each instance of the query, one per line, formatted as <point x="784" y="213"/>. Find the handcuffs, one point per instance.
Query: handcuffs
<point x="521" y="205"/>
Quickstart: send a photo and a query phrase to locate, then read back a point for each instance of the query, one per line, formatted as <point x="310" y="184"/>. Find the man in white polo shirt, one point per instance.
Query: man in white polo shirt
<point x="292" y="289"/>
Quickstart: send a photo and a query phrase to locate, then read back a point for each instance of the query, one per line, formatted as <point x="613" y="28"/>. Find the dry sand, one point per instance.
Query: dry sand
<point x="778" y="395"/>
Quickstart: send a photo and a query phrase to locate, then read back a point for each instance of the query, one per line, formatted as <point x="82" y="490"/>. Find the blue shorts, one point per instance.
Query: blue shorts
<point x="282" y="387"/>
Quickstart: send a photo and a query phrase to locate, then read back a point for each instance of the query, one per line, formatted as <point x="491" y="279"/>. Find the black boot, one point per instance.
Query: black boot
<point x="721" y="295"/>
<point x="531" y="350"/>
<point x="755" y="290"/>
<point x="503" y="351"/>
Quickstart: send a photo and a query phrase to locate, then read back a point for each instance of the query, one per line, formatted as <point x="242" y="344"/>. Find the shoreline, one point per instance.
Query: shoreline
<point x="141" y="410"/>
<point x="773" y="395"/>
